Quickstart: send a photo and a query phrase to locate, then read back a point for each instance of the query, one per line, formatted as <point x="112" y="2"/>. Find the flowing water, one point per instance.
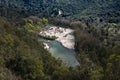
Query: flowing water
<point x="59" y="51"/>
<point x="68" y="56"/>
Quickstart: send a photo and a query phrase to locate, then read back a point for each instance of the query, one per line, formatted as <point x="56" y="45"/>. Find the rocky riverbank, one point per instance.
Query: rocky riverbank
<point x="63" y="35"/>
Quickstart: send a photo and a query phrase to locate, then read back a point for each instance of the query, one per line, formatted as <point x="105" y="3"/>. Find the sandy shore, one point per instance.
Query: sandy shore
<point x="62" y="35"/>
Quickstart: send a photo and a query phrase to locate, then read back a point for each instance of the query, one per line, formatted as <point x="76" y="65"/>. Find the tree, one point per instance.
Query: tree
<point x="113" y="67"/>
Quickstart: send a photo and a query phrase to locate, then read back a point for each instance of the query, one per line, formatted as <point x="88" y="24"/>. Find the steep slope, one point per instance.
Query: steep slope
<point x="22" y="57"/>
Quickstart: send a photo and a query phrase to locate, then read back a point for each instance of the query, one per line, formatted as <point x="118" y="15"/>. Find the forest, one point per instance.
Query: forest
<point x="107" y="10"/>
<point x="97" y="39"/>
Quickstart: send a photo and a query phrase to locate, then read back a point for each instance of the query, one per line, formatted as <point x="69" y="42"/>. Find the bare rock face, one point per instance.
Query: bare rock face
<point x="62" y="35"/>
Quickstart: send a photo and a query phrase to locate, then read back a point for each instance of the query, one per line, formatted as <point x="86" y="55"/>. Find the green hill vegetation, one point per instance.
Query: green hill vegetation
<point x="97" y="39"/>
<point x="107" y="10"/>
<point x="22" y="57"/>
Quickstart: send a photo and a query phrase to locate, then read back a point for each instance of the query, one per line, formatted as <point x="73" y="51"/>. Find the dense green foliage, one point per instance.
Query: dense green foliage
<point x="107" y="10"/>
<point x="97" y="39"/>
<point x="22" y="57"/>
<point x="98" y="48"/>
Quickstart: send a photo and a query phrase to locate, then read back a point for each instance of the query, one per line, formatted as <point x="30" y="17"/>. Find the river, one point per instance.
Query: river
<point x="68" y="56"/>
<point x="63" y="46"/>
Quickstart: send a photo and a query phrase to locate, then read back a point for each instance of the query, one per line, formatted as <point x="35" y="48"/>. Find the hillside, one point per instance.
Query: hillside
<point x="105" y="9"/>
<point x="22" y="57"/>
<point x="95" y="26"/>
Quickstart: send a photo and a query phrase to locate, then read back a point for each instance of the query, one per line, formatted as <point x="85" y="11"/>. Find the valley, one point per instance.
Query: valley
<point x="59" y="39"/>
